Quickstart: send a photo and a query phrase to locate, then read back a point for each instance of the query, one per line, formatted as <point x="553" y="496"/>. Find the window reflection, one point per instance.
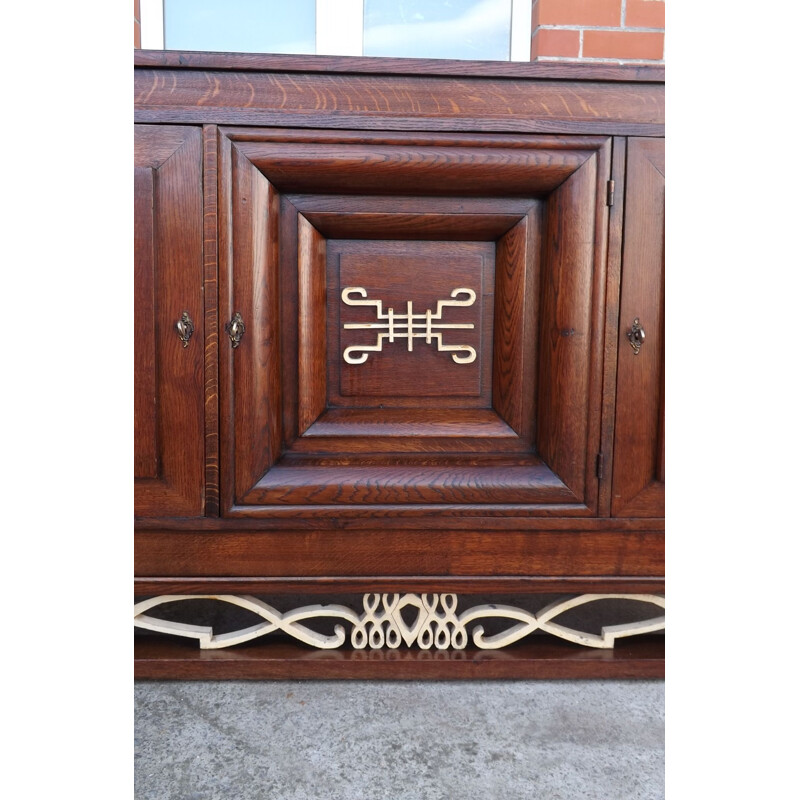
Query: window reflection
<point x="244" y="26"/>
<point x="474" y="29"/>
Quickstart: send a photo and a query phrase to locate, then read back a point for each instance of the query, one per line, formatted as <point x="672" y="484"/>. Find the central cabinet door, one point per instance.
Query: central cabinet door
<point x="413" y="321"/>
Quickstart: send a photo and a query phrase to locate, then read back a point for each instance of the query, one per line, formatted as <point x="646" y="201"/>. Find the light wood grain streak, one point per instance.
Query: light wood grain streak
<point x="210" y="289"/>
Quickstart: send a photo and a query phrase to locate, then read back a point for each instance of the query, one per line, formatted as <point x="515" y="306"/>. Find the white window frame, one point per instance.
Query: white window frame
<point x="151" y="22"/>
<point x="521" y="13"/>
<point x="340" y="27"/>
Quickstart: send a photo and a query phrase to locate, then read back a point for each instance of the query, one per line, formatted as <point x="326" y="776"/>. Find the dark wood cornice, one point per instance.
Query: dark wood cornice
<point x="258" y="62"/>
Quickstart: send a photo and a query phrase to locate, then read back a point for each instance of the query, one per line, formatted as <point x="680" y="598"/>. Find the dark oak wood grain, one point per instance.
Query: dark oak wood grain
<point x="225" y="242"/>
<point x="412" y="226"/>
<point x="145" y="397"/>
<point x="256" y="361"/>
<point x="169" y="399"/>
<point x="410" y="141"/>
<point x="515" y="332"/>
<point x="210" y="291"/>
<point x="638" y="480"/>
<point x="566" y="414"/>
<point x="322" y="585"/>
<point x="432" y="517"/>
<point x="392" y="102"/>
<point x="614" y="271"/>
<point x="374" y="166"/>
<point x="397" y="423"/>
<point x="541" y="658"/>
<point x="597" y="325"/>
<point x="481" y="172"/>
<point x="410" y="373"/>
<point x="381" y="484"/>
<point x="426" y="207"/>
<point x="461" y="68"/>
<point x="482" y="551"/>
<point x="270" y="184"/>
<point x="311" y="324"/>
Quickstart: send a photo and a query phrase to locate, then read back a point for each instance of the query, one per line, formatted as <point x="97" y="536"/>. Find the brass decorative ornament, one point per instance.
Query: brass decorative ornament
<point x="636" y="336"/>
<point x="235" y="329"/>
<point x="408" y="326"/>
<point x="185" y="328"/>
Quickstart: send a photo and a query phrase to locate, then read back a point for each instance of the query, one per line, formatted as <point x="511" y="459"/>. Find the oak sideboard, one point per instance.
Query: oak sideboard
<point x="399" y="397"/>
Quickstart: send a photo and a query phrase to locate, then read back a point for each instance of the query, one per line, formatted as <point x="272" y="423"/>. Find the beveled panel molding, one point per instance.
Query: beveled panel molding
<point x="311" y="417"/>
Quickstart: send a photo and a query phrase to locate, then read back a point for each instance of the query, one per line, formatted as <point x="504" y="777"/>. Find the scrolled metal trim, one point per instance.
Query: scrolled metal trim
<point x="185" y="328"/>
<point x="636" y="336"/>
<point x="235" y="329"/>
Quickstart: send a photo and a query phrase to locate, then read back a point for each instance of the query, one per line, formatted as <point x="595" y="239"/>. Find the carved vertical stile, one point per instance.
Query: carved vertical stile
<point x="210" y="285"/>
<point x="597" y="324"/>
<point x="145" y="396"/>
<point x="611" y="306"/>
<point x="225" y="366"/>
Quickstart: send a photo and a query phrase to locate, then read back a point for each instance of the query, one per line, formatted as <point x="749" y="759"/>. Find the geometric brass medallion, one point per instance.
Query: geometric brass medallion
<point x="407" y="326"/>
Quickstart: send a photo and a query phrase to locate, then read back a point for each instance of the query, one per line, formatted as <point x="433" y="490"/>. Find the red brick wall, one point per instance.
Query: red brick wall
<point x="598" y="30"/>
<point x="137" y="25"/>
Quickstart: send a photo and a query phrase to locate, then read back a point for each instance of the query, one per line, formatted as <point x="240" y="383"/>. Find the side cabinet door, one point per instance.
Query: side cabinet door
<point x="168" y="290"/>
<point x="638" y="481"/>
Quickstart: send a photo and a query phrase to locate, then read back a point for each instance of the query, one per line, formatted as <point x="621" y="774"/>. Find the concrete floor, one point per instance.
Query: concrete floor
<point x="358" y="740"/>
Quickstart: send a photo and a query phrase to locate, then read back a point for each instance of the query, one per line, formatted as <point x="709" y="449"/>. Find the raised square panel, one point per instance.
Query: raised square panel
<point x="329" y="402"/>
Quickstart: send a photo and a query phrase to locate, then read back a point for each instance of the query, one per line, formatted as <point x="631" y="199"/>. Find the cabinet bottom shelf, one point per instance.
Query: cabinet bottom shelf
<point x="162" y="658"/>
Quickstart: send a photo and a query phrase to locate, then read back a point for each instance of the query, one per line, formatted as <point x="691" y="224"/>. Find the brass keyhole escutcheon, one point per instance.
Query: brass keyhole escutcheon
<point x="235" y="329"/>
<point x="636" y="336"/>
<point x="185" y="328"/>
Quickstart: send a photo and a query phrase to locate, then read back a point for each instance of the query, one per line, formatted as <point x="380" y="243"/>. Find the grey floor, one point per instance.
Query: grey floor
<point x="357" y="740"/>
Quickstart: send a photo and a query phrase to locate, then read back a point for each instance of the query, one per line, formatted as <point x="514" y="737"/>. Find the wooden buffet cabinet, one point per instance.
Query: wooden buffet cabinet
<point x="399" y="335"/>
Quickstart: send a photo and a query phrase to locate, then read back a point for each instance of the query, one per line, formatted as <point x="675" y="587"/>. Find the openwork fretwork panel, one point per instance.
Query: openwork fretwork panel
<point x="433" y="622"/>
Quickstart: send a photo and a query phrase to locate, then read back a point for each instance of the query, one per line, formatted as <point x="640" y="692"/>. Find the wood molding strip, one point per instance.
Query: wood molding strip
<point x="246" y="62"/>
<point x="494" y="584"/>
<point x="540" y="657"/>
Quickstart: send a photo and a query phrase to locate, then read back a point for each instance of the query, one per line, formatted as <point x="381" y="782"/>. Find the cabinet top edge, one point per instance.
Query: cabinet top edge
<point x="258" y="62"/>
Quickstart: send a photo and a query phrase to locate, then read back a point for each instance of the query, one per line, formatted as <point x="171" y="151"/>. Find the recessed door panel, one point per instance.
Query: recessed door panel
<point x="638" y="478"/>
<point x="168" y="334"/>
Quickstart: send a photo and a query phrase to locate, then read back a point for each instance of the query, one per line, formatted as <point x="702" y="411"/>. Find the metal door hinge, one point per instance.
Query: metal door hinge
<point x="610" y="193"/>
<point x="599" y="466"/>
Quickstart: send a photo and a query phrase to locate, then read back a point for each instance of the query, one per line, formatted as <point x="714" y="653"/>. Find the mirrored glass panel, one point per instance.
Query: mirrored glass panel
<point x="473" y="29"/>
<point x="243" y="26"/>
